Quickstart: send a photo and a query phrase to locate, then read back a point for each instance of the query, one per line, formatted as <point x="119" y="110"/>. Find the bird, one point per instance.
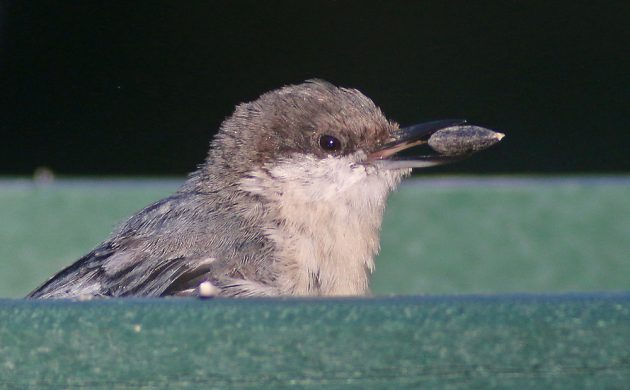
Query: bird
<point x="288" y="202"/>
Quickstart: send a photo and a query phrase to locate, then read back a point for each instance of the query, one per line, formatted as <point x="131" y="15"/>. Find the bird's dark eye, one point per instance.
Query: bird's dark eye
<point x="329" y="143"/>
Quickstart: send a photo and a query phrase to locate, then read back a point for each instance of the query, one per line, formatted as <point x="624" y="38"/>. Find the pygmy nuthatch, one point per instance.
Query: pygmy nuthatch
<point x="288" y="202"/>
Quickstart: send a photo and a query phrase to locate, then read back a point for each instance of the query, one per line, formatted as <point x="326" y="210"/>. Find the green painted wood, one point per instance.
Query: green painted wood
<point x="503" y="341"/>
<point x="439" y="236"/>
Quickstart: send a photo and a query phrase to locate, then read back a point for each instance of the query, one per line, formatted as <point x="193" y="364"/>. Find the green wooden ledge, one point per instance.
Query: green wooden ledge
<point x="520" y="341"/>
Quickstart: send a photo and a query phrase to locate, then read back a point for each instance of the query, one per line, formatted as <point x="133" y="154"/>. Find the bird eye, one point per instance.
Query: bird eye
<point x="329" y="143"/>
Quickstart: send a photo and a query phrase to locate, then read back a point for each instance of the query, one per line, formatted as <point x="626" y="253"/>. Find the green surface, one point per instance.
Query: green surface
<point x="439" y="235"/>
<point x="537" y="342"/>
<point x="507" y="235"/>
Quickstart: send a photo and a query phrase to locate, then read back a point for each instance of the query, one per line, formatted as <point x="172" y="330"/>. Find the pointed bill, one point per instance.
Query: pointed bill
<point x="453" y="139"/>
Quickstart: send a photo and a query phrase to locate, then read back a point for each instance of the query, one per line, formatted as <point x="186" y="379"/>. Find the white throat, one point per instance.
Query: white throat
<point x="325" y="218"/>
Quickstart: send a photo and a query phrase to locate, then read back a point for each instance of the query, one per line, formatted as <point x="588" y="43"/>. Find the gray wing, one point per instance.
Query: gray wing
<point x="169" y="248"/>
<point x="96" y="274"/>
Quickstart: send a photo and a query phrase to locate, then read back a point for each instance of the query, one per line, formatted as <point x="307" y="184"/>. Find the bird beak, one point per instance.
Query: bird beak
<point x="453" y="139"/>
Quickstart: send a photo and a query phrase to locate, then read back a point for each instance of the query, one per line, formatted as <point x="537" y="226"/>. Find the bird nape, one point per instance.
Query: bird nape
<point x="289" y="201"/>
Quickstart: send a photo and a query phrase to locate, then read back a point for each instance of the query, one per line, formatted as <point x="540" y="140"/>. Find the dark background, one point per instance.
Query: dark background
<point x="140" y="87"/>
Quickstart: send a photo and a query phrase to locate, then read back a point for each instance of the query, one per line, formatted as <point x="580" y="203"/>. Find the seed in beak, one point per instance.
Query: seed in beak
<point x="463" y="140"/>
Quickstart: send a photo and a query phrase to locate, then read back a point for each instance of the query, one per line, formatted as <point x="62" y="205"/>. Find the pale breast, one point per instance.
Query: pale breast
<point x="325" y="221"/>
